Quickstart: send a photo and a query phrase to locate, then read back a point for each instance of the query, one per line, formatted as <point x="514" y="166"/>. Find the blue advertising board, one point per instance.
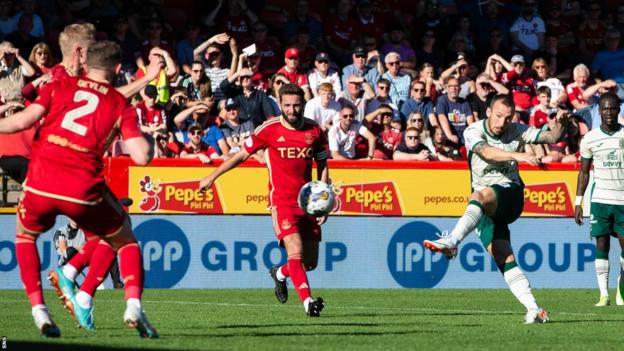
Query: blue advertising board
<point x="190" y="251"/>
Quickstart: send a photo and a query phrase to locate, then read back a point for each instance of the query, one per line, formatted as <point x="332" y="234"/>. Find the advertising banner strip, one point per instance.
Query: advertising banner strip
<point x="360" y="192"/>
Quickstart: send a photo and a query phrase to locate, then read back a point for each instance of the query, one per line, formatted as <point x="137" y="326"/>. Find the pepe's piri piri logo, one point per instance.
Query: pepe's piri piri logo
<point x="178" y="196"/>
<point x="378" y="198"/>
<point x="549" y="199"/>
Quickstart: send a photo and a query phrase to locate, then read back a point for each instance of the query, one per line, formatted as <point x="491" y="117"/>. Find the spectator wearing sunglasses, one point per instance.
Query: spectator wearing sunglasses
<point x="383" y="98"/>
<point x="196" y="148"/>
<point x="343" y="137"/>
<point x="418" y="102"/>
<point x="400" y="83"/>
<point x="361" y="66"/>
<point x="323" y="73"/>
<point x="411" y="148"/>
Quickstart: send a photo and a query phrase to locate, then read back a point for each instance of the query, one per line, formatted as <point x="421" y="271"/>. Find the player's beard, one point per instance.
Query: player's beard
<point x="294" y="120"/>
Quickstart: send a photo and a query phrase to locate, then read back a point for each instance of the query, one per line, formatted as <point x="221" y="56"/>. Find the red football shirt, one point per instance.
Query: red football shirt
<point x="66" y="161"/>
<point x="538" y="118"/>
<point x="150" y="117"/>
<point x="575" y="93"/>
<point x="296" y="77"/>
<point x="289" y="153"/>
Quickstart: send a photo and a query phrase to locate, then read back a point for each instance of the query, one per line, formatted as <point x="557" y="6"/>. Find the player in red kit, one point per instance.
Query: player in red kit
<point x="74" y="42"/>
<point x="291" y="143"/>
<point x="65" y="177"/>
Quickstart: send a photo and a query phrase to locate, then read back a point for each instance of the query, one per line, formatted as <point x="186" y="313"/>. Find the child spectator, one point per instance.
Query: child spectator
<point x="152" y="117"/>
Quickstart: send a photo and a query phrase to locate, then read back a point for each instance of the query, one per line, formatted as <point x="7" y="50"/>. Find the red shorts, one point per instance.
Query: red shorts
<point x="291" y="220"/>
<point x="38" y="213"/>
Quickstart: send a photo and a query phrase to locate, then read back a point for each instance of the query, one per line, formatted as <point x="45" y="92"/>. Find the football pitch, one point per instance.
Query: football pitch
<point x="353" y="319"/>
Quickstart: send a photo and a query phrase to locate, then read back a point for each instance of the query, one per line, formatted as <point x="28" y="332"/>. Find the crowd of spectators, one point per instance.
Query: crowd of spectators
<point x="389" y="80"/>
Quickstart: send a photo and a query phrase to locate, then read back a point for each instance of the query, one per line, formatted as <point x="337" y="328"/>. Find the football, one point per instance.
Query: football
<point x="316" y="198"/>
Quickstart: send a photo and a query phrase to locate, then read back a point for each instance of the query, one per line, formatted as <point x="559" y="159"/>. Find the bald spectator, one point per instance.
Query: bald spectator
<point x="400" y="83"/>
<point x="357" y="95"/>
<point x="293" y="73"/>
<point x="169" y="71"/>
<point x="454" y="113"/>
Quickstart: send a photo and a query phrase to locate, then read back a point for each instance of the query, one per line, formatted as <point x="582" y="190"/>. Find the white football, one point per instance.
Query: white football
<point x="316" y="198"/>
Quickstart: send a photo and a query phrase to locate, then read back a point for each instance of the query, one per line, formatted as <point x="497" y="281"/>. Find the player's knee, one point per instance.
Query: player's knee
<point x="310" y="265"/>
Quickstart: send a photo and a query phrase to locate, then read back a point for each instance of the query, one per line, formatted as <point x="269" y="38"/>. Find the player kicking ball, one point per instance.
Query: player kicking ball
<point x="65" y="177"/>
<point x="498" y="198"/>
<point x="291" y="143"/>
<point x="604" y="148"/>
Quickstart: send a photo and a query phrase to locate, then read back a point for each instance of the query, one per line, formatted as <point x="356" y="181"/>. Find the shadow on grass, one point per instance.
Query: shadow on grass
<point x="311" y="334"/>
<point x="55" y="346"/>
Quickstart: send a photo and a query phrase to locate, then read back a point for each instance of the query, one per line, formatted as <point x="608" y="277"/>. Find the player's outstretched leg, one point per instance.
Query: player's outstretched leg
<point x="602" y="276"/>
<point x="63" y="278"/>
<point x="447" y="244"/>
<point x="619" y="297"/>
<point x="82" y="302"/>
<point x="30" y="266"/>
<point x="131" y="268"/>
<point x="279" y="275"/>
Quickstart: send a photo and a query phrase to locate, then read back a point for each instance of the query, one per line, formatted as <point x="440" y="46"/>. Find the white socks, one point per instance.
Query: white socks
<point x="134" y="303"/>
<point x="467" y="223"/>
<point x="602" y="275"/>
<point x="39" y="309"/>
<point x="519" y="286"/>
<point x="279" y="275"/>
<point x="84" y="299"/>
<point x="70" y="272"/>
<point x="306" y="302"/>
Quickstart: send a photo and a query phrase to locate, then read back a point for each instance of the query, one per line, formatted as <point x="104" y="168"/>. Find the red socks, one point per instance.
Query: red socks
<point x="299" y="278"/>
<point x="30" y="267"/>
<point x="83" y="257"/>
<point x="101" y="260"/>
<point x="131" y="269"/>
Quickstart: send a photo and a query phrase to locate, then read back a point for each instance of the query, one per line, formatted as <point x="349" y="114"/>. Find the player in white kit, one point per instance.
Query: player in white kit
<point x="497" y="199"/>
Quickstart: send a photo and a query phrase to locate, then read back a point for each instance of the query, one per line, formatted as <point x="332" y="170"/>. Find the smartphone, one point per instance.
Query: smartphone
<point x="250" y="50"/>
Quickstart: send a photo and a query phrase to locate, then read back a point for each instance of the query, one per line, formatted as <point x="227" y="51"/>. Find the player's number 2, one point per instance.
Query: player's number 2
<point x="69" y="121"/>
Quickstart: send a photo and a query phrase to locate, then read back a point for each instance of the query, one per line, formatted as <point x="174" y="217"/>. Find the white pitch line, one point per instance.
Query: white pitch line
<point x="414" y="309"/>
<point x="368" y="308"/>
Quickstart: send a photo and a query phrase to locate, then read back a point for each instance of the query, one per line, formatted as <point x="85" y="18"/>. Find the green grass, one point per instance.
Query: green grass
<point x="400" y="319"/>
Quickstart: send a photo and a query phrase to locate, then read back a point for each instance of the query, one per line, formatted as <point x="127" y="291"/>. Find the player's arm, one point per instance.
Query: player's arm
<point x="322" y="171"/>
<point x="141" y="149"/>
<point x="494" y="154"/>
<point x="581" y="186"/>
<point x="231" y="163"/>
<point x="22" y="120"/>
<point x="129" y="90"/>
<point x="554" y="134"/>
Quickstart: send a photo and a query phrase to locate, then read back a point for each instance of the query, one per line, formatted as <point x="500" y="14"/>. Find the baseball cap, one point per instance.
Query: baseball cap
<point x="359" y="50"/>
<point x="322" y="56"/>
<point x="151" y="91"/>
<point x="517" y="58"/>
<point x="231" y="103"/>
<point x="292" y="53"/>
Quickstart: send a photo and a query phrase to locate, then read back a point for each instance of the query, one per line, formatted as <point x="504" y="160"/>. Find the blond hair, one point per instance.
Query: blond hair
<point x="77" y="34"/>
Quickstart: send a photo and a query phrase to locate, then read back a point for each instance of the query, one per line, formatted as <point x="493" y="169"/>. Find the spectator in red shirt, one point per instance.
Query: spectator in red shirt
<point x="293" y="73"/>
<point x="152" y="117"/>
<point x="518" y="79"/>
<point x="196" y="148"/>
<point x="380" y="124"/>
<point x="576" y="88"/>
